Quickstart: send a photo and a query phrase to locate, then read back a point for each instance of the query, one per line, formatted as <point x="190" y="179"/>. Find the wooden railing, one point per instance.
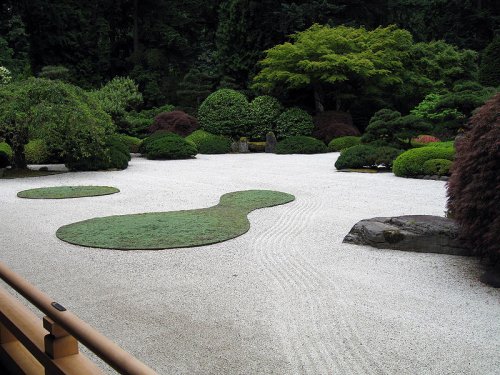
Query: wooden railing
<point x="28" y="346"/>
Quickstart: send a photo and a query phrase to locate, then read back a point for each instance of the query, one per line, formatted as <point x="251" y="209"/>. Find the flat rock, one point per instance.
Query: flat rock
<point x="419" y="233"/>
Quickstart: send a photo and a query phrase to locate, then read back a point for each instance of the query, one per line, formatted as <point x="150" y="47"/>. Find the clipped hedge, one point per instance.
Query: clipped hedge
<point x="168" y="146"/>
<point x="4" y="147"/>
<point x="292" y="122"/>
<point x="359" y="156"/>
<point x="198" y="136"/>
<point x="36" y="152"/>
<point x="439" y="167"/>
<point x="225" y="112"/>
<point x="301" y="145"/>
<point x="133" y="143"/>
<point x="341" y="143"/>
<point x="215" y="144"/>
<point x="411" y="163"/>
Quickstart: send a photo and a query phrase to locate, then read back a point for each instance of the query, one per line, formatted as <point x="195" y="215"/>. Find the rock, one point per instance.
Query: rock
<point x="492" y="276"/>
<point x="271" y="142"/>
<point x="243" y="145"/>
<point x="333" y="124"/>
<point x="443" y="178"/>
<point x="43" y="169"/>
<point x="420" y="233"/>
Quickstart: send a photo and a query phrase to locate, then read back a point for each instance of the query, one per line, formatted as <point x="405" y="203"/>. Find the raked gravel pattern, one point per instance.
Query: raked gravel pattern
<point x="285" y="298"/>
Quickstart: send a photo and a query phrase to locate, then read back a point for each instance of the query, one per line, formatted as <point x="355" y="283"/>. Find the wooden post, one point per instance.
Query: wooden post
<point x="58" y="343"/>
<point x="5" y="335"/>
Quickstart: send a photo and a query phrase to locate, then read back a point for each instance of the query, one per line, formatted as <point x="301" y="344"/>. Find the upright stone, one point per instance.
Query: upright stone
<point x="243" y="145"/>
<point x="271" y="142"/>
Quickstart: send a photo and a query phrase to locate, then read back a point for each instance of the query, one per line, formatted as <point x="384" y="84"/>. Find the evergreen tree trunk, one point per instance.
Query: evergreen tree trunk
<point x="18" y="157"/>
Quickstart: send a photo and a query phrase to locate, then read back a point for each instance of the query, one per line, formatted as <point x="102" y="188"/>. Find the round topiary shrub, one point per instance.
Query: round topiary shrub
<point x="301" y="145"/>
<point x="265" y="111"/>
<point x="177" y="122"/>
<point x="411" y="163"/>
<point x="215" y="144"/>
<point x="473" y="191"/>
<point x="36" y="152"/>
<point x="6" y="148"/>
<point x="439" y="167"/>
<point x="169" y="146"/>
<point x="225" y="112"/>
<point x="133" y="143"/>
<point x="198" y="136"/>
<point x="359" y="156"/>
<point x="292" y="122"/>
<point x="4" y="159"/>
<point x="341" y="143"/>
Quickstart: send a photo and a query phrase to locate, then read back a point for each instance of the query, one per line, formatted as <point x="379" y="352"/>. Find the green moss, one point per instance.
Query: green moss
<point x="164" y="230"/>
<point x="64" y="192"/>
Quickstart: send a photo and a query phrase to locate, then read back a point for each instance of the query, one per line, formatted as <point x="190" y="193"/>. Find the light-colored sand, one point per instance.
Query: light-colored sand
<point x="286" y="298"/>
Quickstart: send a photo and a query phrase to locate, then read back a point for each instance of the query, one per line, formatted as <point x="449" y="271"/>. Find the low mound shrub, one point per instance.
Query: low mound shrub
<point x="215" y="144"/>
<point x="177" y="122"/>
<point x="198" y="136"/>
<point x="168" y="146"/>
<point x="300" y="145"/>
<point x="341" y="143"/>
<point x="4" y="159"/>
<point x="439" y="167"/>
<point x="117" y="156"/>
<point x="4" y="146"/>
<point x="36" y="152"/>
<point x="292" y="122"/>
<point x="411" y="163"/>
<point x="385" y="156"/>
<point x="447" y="144"/>
<point x="359" y="156"/>
<point x="133" y="143"/>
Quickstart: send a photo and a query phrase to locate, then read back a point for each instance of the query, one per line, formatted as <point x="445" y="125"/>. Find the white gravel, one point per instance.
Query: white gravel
<point x="286" y="298"/>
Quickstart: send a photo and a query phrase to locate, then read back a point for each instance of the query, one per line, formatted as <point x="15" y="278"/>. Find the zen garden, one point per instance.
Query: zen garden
<point x="242" y="187"/>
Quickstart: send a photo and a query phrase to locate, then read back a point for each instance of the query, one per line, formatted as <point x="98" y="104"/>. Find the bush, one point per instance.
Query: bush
<point x="333" y="124"/>
<point x="265" y="111"/>
<point x="359" y="156"/>
<point x="4" y="147"/>
<point x="385" y="156"/>
<point x="225" y="112"/>
<point x="177" y="122"/>
<point x="215" y="144"/>
<point x="424" y="139"/>
<point x="198" y="136"/>
<point x="4" y="159"/>
<point x="447" y="144"/>
<point x="36" y="152"/>
<point x="55" y="72"/>
<point x="473" y="193"/>
<point x="341" y="143"/>
<point x="168" y="146"/>
<point x="118" y="96"/>
<point x="300" y="145"/>
<point x="137" y="123"/>
<point x="411" y="163"/>
<point x="292" y="122"/>
<point x="133" y="143"/>
<point x="117" y="156"/>
<point x="489" y="69"/>
<point x="439" y="167"/>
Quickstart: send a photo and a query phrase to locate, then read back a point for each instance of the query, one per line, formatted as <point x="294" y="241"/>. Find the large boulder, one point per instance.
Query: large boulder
<point x="419" y="233"/>
<point x="333" y="124"/>
<point x="177" y="122"/>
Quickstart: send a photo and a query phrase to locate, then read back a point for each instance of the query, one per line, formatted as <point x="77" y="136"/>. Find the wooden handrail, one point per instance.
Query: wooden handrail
<point x="103" y="347"/>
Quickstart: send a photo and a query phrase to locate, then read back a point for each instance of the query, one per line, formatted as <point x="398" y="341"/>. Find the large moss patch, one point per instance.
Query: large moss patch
<point x="164" y="230"/>
<point x="63" y="192"/>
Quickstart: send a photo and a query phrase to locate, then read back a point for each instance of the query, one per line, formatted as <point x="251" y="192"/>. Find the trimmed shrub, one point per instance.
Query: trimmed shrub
<point x="341" y="143"/>
<point x="4" y="159"/>
<point x="214" y="144"/>
<point x="333" y="124"/>
<point x="198" y="136"/>
<point x="293" y="122"/>
<point x="168" y="146"/>
<point x="411" y="163"/>
<point x="385" y="156"/>
<point x="137" y="123"/>
<point x="133" y="143"/>
<point x="473" y="193"/>
<point x="440" y="167"/>
<point x="117" y="156"/>
<point x="265" y="111"/>
<point x="300" y="145"/>
<point x="36" y="152"/>
<point x="447" y="144"/>
<point x="225" y="112"/>
<point x="177" y="122"/>
<point x="4" y="146"/>
<point x="359" y="156"/>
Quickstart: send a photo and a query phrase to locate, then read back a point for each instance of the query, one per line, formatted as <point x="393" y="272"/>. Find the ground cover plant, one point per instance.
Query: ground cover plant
<point x="164" y="230"/>
<point x="65" y="192"/>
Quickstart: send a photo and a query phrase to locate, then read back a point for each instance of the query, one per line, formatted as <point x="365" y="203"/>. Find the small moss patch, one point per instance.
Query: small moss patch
<point x="64" y="192"/>
<point x="22" y="173"/>
<point x="165" y="230"/>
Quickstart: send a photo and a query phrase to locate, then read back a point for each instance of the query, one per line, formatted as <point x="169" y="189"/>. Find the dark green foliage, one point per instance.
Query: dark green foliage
<point x="294" y="121"/>
<point x="385" y="156"/>
<point x="168" y="146"/>
<point x="37" y="152"/>
<point x="4" y="159"/>
<point x="439" y="167"/>
<point x="225" y="112"/>
<point x="473" y="191"/>
<point x="214" y="144"/>
<point x="393" y="129"/>
<point x="265" y="112"/>
<point x="195" y="87"/>
<point x="342" y="143"/>
<point x="133" y="143"/>
<point x="198" y="136"/>
<point x="55" y="72"/>
<point x="489" y="69"/>
<point x="4" y="147"/>
<point x="300" y="145"/>
<point x="137" y="123"/>
<point x="411" y="163"/>
<point x="356" y="157"/>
